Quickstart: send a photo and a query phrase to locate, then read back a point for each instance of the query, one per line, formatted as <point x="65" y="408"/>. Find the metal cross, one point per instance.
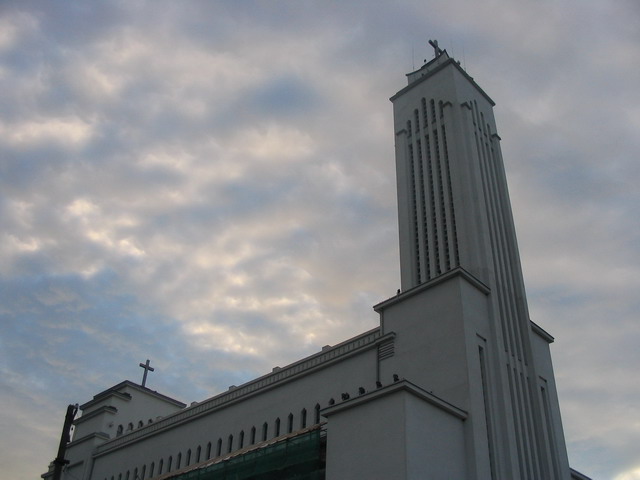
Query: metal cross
<point x="147" y="369"/>
<point x="437" y="50"/>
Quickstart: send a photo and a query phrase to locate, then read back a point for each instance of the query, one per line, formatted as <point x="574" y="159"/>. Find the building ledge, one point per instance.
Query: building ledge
<point x="456" y="272"/>
<point x="402" y="385"/>
<point x="87" y="438"/>
<point x="576" y="475"/>
<point x="103" y="409"/>
<point x="541" y="332"/>
<point x="115" y="392"/>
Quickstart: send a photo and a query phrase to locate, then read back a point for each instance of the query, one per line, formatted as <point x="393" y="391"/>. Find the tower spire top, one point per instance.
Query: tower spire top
<point x="437" y="50"/>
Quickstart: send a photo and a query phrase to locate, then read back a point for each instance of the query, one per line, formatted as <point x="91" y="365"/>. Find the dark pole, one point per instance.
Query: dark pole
<point x="65" y="438"/>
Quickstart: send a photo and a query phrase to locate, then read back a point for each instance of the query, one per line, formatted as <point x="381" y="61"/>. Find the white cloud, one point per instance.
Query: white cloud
<point x="219" y="179"/>
<point x="67" y="131"/>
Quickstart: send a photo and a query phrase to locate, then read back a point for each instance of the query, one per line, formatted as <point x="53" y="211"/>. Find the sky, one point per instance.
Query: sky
<point x="211" y="185"/>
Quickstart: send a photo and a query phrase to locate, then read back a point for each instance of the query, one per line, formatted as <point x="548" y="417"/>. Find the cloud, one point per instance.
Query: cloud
<point x="213" y="184"/>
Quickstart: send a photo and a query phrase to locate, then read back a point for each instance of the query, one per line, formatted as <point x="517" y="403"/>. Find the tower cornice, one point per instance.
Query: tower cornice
<point x="432" y="70"/>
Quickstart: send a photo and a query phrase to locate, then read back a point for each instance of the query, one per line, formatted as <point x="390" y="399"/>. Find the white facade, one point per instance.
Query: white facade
<point x="455" y="383"/>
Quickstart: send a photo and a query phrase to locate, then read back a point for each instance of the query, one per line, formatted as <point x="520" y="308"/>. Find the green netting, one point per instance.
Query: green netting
<point x="297" y="458"/>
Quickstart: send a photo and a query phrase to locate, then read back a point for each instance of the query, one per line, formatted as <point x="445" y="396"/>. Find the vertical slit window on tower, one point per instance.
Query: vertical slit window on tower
<point x="456" y="255"/>
<point x="432" y="200"/>
<point x="414" y="208"/>
<point x="487" y="410"/>
<point x="422" y="238"/>
<point x="424" y="112"/>
<point x="550" y="432"/>
<point x="443" y="217"/>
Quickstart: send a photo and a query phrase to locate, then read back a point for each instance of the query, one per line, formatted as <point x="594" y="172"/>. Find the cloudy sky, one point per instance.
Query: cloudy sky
<point x="210" y="185"/>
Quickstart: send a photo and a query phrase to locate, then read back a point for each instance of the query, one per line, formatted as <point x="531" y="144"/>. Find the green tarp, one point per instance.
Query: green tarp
<point x="296" y="458"/>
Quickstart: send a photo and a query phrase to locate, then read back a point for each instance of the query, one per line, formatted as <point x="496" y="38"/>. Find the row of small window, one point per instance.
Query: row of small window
<point x="121" y="430"/>
<point x="221" y="447"/>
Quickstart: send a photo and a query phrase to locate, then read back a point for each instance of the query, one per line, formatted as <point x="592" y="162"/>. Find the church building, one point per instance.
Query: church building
<point x="456" y="382"/>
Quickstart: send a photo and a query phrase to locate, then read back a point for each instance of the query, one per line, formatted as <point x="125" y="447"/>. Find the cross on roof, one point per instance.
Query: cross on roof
<point x="437" y="50"/>
<point x="147" y="369"/>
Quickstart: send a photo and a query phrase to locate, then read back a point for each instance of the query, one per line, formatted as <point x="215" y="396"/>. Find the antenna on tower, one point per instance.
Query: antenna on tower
<point x="464" y="63"/>
<point x="413" y="57"/>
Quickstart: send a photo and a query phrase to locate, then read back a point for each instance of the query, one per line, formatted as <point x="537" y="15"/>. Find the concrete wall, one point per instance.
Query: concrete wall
<point x="158" y="442"/>
<point x="414" y="436"/>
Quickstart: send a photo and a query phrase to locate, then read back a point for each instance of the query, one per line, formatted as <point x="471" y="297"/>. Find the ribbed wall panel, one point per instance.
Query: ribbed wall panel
<point x="435" y="247"/>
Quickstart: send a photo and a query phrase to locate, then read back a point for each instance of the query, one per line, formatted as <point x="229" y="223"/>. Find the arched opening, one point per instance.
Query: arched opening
<point x="303" y="418"/>
<point x="290" y="423"/>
